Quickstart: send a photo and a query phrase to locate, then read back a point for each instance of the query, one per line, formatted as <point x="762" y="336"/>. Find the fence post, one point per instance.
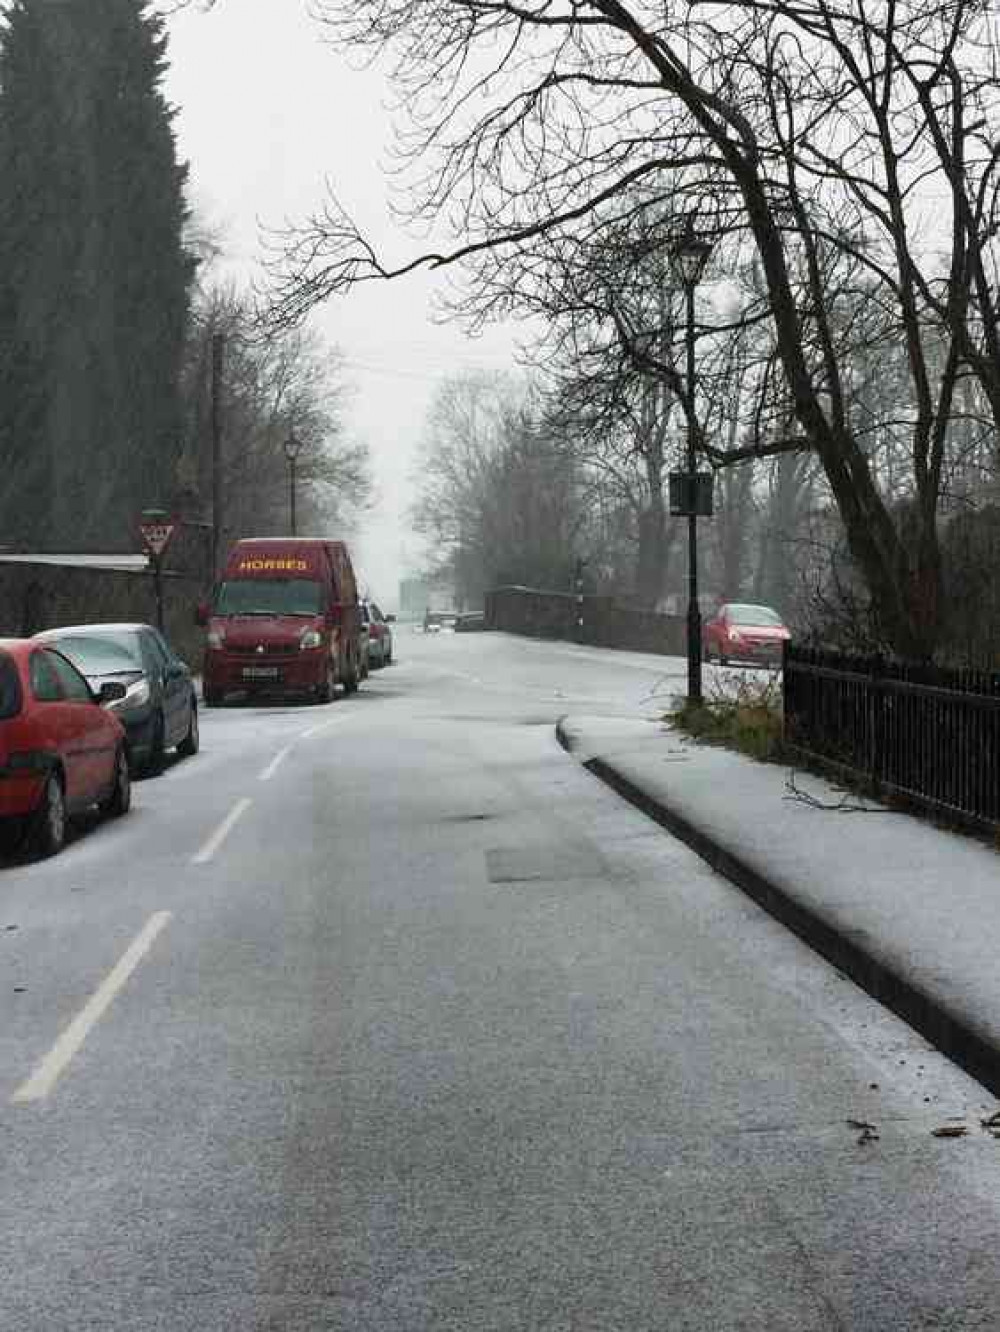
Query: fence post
<point x="876" y="716"/>
<point x="579" y="600"/>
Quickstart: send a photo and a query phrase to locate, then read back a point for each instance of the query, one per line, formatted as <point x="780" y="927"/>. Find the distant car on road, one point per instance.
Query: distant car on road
<point x="436" y="621"/>
<point x="61" y="752"/>
<point x="469" y="622"/>
<point x="743" y="632"/>
<point x="379" y="634"/>
<point x="160" y="708"/>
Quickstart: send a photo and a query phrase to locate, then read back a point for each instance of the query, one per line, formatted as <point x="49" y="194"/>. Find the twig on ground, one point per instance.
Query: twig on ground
<point x="845" y="805"/>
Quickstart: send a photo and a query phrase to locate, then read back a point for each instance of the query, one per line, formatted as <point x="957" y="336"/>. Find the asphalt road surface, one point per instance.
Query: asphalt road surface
<point x="387" y="1015"/>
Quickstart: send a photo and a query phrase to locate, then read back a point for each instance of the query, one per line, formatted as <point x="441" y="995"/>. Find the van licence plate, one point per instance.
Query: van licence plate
<point x="260" y="672"/>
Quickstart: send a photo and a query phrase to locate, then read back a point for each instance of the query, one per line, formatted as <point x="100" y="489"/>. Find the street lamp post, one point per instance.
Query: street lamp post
<point x="293" y="447"/>
<point x="690" y="257"/>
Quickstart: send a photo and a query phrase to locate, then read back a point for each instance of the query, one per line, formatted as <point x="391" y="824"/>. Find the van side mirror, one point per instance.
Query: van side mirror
<point x="111" y="692"/>
<point x="202" y="613"/>
<point x="390" y="619"/>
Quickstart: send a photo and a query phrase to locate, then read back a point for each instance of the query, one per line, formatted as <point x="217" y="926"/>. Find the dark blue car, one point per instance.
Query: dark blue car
<point x="160" y="707"/>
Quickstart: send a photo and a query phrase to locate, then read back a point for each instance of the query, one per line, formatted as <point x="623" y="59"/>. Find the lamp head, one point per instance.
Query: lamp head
<point x="691" y="253"/>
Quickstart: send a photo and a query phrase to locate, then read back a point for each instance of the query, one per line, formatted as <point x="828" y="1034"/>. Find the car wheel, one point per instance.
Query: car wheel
<point x="212" y="698"/>
<point x="48" y="833"/>
<point x="192" y="741"/>
<point x="119" y="802"/>
<point x="157" y="750"/>
<point x="388" y="657"/>
<point x="11" y="835"/>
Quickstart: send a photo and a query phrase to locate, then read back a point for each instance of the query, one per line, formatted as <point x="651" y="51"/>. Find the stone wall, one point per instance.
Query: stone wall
<point x="44" y="596"/>
<point x="606" y="622"/>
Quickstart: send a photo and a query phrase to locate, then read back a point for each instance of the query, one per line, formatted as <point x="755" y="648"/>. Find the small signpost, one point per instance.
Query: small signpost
<point x="156" y="527"/>
<point x="691" y="494"/>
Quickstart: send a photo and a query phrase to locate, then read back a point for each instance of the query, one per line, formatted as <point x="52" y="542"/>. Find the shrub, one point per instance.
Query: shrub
<point x="742" y="713"/>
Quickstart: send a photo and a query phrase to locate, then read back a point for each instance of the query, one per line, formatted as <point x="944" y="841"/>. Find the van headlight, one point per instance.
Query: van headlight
<point x="216" y="638"/>
<point x="136" y="696"/>
<point x="311" y="638"/>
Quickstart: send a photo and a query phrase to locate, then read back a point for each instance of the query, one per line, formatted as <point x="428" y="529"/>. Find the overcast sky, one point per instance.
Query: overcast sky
<point x="267" y="113"/>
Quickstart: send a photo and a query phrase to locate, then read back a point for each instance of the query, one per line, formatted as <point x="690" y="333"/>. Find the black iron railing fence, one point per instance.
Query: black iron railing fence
<point x="927" y="734"/>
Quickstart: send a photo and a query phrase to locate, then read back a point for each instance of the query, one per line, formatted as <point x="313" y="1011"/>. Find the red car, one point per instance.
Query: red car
<point x="61" y="752"/>
<point x="379" y="633"/>
<point x="744" y="633"/>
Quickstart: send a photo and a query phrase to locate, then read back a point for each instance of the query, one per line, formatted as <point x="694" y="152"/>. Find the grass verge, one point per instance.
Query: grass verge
<point x="741" y="714"/>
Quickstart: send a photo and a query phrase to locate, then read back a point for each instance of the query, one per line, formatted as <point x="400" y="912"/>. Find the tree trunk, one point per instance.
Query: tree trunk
<point x="654" y="546"/>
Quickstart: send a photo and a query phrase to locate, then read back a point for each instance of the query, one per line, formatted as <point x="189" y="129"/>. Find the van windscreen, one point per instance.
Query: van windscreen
<point x="270" y="596"/>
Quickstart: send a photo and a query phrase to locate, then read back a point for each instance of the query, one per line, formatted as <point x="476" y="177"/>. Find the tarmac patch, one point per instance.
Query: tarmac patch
<point x="538" y="864"/>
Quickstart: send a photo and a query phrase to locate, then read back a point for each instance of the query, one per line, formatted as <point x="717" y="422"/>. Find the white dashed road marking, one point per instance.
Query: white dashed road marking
<point x="222" y="832"/>
<point x="47" y="1074"/>
<point x="275" y="764"/>
<point x="316" y="730"/>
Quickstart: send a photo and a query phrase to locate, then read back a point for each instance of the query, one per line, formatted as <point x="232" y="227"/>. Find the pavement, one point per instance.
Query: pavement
<point x="910" y="911"/>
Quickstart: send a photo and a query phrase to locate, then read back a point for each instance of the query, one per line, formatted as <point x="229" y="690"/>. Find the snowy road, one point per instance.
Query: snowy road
<point x="387" y="1015"/>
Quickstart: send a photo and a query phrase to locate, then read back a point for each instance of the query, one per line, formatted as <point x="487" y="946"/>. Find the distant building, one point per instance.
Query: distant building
<point x="417" y="595"/>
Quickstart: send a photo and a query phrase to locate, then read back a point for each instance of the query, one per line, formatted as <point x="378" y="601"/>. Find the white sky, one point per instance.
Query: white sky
<point x="267" y="113"/>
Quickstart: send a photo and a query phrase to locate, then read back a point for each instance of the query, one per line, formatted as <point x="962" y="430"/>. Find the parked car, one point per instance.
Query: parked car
<point x="364" y="641"/>
<point x="470" y="622"/>
<point x="379" y="634"/>
<point x="284" y="621"/>
<point x="160" y="708"/>
<point x="436" y="621"/>
<point x="61" y="752"/>
<point x="739" y="632"/>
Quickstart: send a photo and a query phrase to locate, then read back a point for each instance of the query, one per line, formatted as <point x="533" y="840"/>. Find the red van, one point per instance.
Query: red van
<point x="284" y="621"/>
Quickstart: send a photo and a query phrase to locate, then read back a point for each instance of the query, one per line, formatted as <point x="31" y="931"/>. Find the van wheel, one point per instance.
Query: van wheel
<point x="212" y="698"/>
<point x="353" y="677"/>
<point x="48" y="832"/>
<point x="324" y="691"/>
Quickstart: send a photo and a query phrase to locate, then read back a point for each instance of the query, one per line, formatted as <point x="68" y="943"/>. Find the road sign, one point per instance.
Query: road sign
<point x="691" y="494"/>
<point x="156" y="536"/>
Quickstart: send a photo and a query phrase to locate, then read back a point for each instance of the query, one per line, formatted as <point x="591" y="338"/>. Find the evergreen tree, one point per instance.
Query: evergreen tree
<point x="94" y="278"/>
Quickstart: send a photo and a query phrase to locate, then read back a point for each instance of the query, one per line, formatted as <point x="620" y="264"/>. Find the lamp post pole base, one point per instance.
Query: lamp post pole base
<point x="694" y="694"/>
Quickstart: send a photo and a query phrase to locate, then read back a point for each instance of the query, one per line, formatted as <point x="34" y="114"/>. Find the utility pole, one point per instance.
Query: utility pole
<point x="218" y="349"/>
<point x="293" y="446"/>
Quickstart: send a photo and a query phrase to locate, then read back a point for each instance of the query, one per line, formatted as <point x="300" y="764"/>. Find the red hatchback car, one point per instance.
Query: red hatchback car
<point x="738" y="632"/>
<point x="61" y="752"/>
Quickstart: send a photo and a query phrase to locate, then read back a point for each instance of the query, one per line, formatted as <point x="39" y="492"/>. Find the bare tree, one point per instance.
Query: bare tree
<point x="497" y="492"/>
<point x="273" y="389"/>
<point x="817" y="137"/>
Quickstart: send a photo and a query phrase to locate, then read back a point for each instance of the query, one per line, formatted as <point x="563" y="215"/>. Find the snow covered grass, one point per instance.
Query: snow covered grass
<point x="741" y="712"/>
